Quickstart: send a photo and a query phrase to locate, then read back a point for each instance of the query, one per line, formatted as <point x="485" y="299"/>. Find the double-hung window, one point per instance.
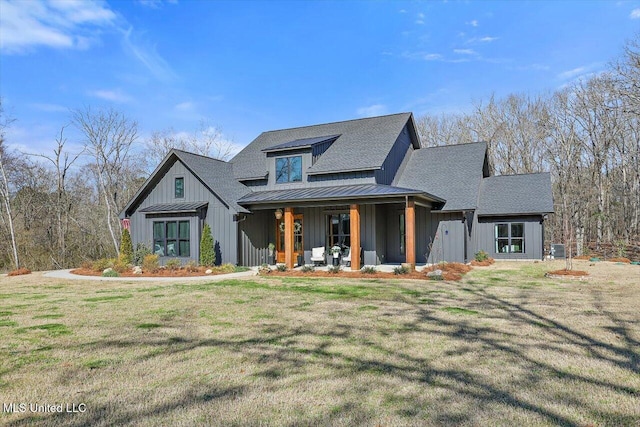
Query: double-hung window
<point x="288" y="169"/>
<point x="509" y="238"/>
<point x="171" y="238"/>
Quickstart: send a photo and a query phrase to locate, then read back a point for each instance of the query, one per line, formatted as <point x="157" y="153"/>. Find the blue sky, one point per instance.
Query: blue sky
<point x="252" y="66"/>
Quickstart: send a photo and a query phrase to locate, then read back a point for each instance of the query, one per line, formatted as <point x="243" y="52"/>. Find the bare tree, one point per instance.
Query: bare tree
<point x="5" y="191"/>
<point x="109" y="136"/>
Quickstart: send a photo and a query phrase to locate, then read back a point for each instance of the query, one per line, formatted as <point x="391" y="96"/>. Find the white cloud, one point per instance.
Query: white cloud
<point x="70" y="24"/>
<point x="155" y="4"/>
<point x="111" y="95"/>
<point x="488" y="39"/>
<point x="184" y="106"/>
<point x="49" y="108"/>
<point x="473" y="23"/>
<point x="569" y="74"/>
<point x="635" y="14"/>
<point x="402" y="11"/>
<point x="465" y="51"/>
<point x="432" y="57"/>
<point x="372" y="110"/>
<point x="148" y="56"/>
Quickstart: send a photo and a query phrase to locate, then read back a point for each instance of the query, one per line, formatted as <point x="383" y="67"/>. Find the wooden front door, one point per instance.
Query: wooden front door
<point x="298" y="246"/>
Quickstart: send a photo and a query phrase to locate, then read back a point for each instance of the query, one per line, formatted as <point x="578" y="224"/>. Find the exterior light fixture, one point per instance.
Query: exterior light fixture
<point x="278" y="213"/>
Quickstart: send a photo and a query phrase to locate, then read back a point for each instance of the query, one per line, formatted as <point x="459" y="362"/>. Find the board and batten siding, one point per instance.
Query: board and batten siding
<point x="218" y="216"/>
<point x="533" y="236"/>
<point x="445" y="236"/>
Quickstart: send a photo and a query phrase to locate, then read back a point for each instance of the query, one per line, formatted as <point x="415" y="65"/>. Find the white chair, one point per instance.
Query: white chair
<point x="317" y="255"/>
<point x="347" y="258"/>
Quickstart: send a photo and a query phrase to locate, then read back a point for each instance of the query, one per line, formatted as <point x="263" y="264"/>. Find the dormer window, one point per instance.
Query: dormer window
<point x="179" y="188"/>
<point x="288" y="169"/>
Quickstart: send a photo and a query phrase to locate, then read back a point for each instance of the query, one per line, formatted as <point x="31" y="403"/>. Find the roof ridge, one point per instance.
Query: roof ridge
<point x="337" y="122"/>
<point x="519" y="174"/>
<point x="454" y="145"/>
<point x="200" y="155"/>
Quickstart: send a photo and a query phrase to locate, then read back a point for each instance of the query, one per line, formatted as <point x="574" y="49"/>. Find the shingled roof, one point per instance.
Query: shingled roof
<point x="452" y="172"/>
<point x="363" y="144"/>
<point x="516" y="194"/>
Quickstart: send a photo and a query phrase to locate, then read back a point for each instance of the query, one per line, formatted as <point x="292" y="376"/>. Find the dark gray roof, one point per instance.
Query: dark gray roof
<point x="323" y="193"/>
<point x="516" y="194"/>
<point x="217" y="175"/>
<point x="452" y="172"/>
<point x="301" y="143"/>
<point x="363" y="144"/>
<point x="175" y="207"/>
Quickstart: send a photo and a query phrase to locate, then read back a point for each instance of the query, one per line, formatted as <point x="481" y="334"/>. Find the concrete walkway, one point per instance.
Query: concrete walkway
<point x="66" y="274"/>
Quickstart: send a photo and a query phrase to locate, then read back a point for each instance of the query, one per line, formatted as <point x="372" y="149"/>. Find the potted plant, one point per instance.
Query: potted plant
<point x="272" y="257"/>
<point x="335" y="251"/>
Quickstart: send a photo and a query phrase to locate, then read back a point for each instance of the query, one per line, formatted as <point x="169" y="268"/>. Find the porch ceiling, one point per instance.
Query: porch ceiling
<point x="329" y="194"/>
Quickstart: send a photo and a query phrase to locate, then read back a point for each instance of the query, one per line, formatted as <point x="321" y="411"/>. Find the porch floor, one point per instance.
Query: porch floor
<point x="387" y="268"/>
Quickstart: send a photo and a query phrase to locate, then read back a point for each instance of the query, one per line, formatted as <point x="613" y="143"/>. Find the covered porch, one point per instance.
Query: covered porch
<point x="376" y="224"/>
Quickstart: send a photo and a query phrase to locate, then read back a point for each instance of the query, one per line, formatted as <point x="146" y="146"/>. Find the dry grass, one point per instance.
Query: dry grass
<point x="505" y="346"/>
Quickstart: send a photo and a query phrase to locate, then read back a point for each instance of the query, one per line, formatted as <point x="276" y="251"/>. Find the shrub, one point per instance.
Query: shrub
<point x="191" y="266"/>
<point x="87" y="265"/>
<point x="281" y="267"/>
<point x="403" y="269"/>
<point x="207" y="252"/>
<point x="227" y="268"/>
<point x="335" y="269"/>
<point x="482" y="256"/>
<point x="20" y="271"/>
<point x="369" y="269"/>
<point x="119" y="266"/>
<point x="110" y="273"/>
<point x="102" y="264"/>
<point x="141" y="251"/>
<point x="150" y="263"/>
<point x="308" y="268"/>
<point x="173" y="264"/>
<point x="264" y="269"/>
<point x="126" y="248"/>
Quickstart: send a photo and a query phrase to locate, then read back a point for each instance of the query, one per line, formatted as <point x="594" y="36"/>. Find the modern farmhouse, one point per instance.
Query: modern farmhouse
<point x="365" y="186"/>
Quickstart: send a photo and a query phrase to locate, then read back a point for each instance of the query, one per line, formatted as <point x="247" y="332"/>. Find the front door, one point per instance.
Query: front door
<point x="298" y="246"/>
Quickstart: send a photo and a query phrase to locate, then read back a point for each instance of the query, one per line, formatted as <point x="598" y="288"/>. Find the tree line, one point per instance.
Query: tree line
<point x="60" y="209"/>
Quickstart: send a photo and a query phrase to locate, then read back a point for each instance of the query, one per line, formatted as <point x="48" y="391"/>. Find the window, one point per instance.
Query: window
<point x="509" y="238"/>
<point x="179" y="187"/>
<point x="339" y="230"/>
<point x="171" y="238"/>
<point x="289" y="169"/>
<point x="402" y="234"/>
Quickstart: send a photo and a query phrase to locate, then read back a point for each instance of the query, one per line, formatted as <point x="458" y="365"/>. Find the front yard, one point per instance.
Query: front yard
<point x="505" y="346"/>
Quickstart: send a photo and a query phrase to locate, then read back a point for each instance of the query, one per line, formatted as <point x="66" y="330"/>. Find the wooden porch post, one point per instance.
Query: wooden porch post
<point x="354" y="216"/>
<point x="288" y="237"/>
<point x="410" y="232"/>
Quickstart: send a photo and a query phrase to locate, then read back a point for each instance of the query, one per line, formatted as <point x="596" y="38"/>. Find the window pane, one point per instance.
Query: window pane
<point x="179" y="187"/>
<point x="502" y="246"/>
<point x="347" y="241"/>
<point x="295" y="168"/>
<point x="172" y="230"/>
<point x="502" y="230"/>
<point x="335" y="224"/>
<point x="184" y="248"/>
<point x="184" y="230"/>
<point x="172" y="249"/>
<point x="517" y="246"/>
<point x="158" y="247"/>
<point x="282" y="170"/>
<point x="158" y="230"/>
<point x="517" y="230"/>
<point x="346" y="223"/>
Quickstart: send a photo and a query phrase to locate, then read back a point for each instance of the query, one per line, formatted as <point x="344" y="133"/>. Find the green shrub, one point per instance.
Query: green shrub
<point x="335" y="269"/>
<point x="481" y="256"/>
<point x="141" y="251"/>
<point x="102" y="264"/>
<point x="110" y="273"/>
<point x="227" y="268"/>
<point x="126" y="248"/>
<point x="401" y="270"/>
<point x="120" y="266"/>
<point x="150" y="263"/>
<point x="207" y="252"/>
<point x="308" y="268"/>
<point x="191" y="266"/>
<point x="281" y="267"/>
<point x="369" y="269"/>
<point x="173" y="264"/>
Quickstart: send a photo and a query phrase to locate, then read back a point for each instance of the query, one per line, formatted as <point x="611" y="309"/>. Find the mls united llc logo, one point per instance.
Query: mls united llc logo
<point x="71" y="408"/>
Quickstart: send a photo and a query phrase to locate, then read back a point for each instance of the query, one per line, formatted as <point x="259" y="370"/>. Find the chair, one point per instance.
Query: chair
<point x="317" y="255"/>
<point x="347" y="258"/>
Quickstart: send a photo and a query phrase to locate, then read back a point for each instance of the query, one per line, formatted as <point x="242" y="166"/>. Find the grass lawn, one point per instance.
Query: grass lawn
<point x="506" y="346"/>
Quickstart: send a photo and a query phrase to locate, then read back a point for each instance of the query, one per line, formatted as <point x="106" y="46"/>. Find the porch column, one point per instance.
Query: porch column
<point x="288" y="237"/>
<point x="354" y="217"/>
<point x="410" y="232"/>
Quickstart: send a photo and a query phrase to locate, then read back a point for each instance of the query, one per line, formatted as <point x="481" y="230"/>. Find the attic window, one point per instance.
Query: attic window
<point x="288" y="169"/>
<point x="179" y="188"/>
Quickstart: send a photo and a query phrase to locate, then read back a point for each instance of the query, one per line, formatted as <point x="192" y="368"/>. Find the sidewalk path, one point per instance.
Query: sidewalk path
<point x="66" y="274"/>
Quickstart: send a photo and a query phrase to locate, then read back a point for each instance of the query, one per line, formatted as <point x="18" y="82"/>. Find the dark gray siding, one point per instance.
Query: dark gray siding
<point x="254" y="234"/>
<point x="533" y="236"/>
<point x="218" y="216"/>
<point x="445" y="237"/>
<point x="392" y="225"/>
<point x="394" y="159"/>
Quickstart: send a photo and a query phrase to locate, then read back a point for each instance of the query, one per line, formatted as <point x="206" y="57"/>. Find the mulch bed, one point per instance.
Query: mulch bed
<point x="567" y="274"/>
<point x="485" y="263"/>
<point x="159" y="273"/>
<point x="19" y="272"/>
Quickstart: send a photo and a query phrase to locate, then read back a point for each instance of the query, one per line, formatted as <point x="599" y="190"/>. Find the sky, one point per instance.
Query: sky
<point x="253" y="66"/>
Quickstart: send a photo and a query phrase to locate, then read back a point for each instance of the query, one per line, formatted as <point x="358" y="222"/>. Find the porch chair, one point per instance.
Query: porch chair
<point x="347" y="258"/>
<point x="317" y="255"/>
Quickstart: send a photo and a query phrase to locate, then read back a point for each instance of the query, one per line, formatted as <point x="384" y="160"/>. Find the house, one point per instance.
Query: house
<point x="365" y="185"/>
